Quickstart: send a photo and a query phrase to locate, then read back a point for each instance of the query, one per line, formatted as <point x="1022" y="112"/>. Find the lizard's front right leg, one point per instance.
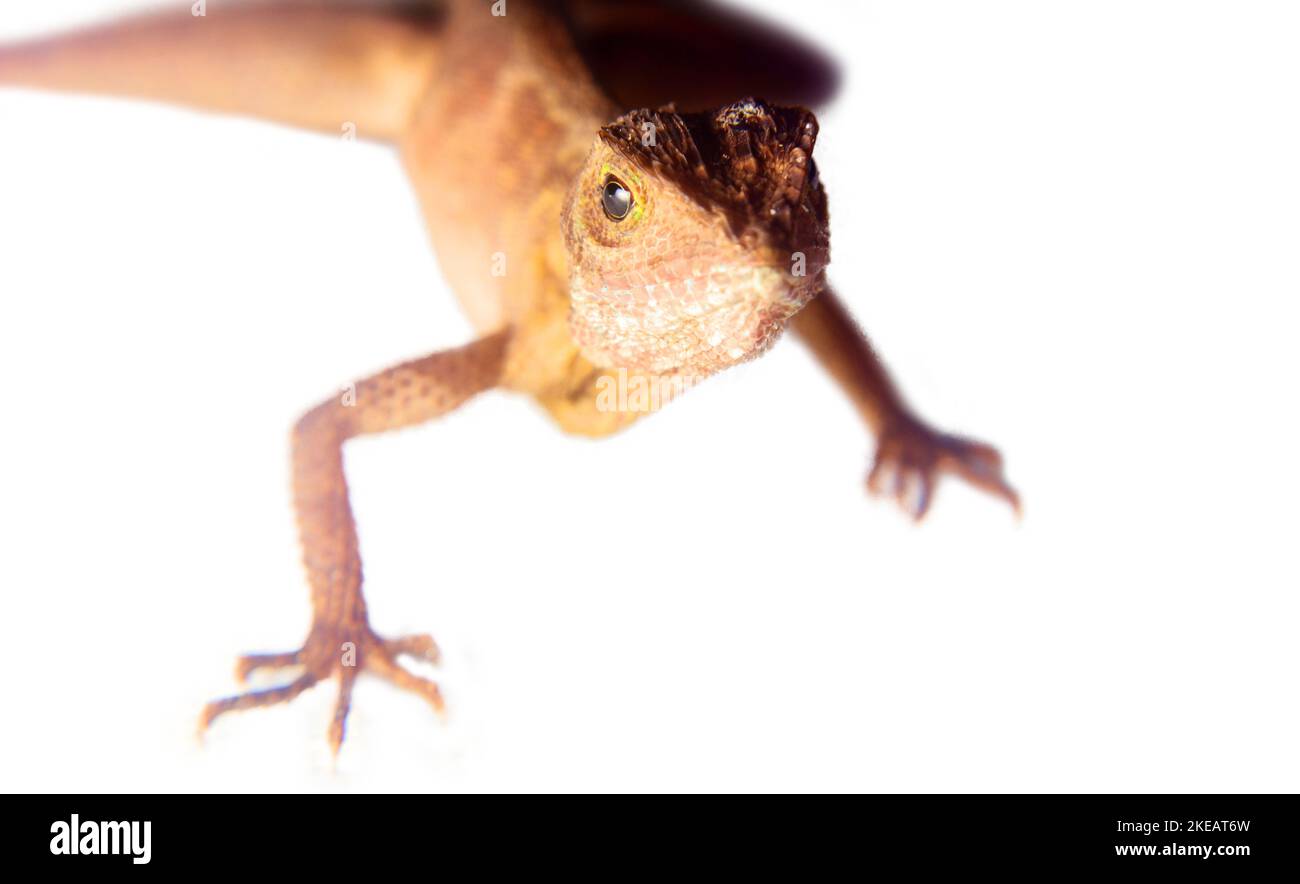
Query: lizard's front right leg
<point x="341" y="643"/>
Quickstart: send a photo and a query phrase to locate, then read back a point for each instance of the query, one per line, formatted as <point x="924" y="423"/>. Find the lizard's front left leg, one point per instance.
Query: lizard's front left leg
<point x="341" y="643"/>
<point x="910" y="454"/>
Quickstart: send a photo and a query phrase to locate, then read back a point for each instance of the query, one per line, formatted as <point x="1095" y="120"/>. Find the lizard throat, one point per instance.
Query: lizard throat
<point x="697" y="323"/>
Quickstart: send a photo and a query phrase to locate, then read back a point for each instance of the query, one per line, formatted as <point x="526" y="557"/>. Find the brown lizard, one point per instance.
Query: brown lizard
<point x="582" y="240"/>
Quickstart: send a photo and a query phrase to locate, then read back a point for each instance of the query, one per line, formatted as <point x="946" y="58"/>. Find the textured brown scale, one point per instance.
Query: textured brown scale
<point x="330" y="554"/>
<point x="509" y="141"/>
<point x="743" y="160"/>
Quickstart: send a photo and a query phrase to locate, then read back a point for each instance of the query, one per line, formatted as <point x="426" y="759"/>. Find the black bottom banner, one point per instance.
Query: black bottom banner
<point x="1226" y="835"/>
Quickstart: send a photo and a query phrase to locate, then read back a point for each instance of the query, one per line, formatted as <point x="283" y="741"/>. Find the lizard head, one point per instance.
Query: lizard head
<point x="693" y="238"/>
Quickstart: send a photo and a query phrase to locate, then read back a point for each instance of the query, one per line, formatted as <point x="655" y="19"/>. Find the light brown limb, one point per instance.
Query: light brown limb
<point x="419" y="647"/>
<point x="253" y="699"/>
<point x="342" y="705"/>
<point x="843" y="350"/>
<point x="250" y="663"/>
<point x="309" y="63"/>
<point x="386" y="668"/>
<point x="341" y="643"/>
<point x="910" y="455"/>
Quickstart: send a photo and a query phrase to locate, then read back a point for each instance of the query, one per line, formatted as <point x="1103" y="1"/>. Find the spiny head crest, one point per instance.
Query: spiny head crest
<point x="749" y="160"/>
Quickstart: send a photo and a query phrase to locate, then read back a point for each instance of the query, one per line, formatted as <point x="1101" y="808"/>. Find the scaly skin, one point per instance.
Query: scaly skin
<point x="511" y="145"/>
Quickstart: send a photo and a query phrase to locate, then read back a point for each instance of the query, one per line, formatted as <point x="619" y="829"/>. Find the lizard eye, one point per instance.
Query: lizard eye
<point x="616" y="199"/>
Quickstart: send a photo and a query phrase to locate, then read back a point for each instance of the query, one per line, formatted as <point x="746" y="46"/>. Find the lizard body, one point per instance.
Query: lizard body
<point x="508" y="123"/>
<point x="581" y="238"/>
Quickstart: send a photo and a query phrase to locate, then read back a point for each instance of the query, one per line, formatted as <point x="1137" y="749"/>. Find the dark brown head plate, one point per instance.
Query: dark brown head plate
<point x="749" y="160"/>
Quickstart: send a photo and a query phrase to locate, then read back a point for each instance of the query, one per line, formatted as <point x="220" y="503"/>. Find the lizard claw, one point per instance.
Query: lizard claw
<point x="910" y="458"/>
<point x="336" y="653"/>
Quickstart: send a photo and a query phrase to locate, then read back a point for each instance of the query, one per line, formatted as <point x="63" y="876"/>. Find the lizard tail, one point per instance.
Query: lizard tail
<point x="305" y="63"/>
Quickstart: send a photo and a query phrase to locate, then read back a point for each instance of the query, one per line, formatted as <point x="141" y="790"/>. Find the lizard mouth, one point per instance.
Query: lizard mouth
<point x="697" y="322"/>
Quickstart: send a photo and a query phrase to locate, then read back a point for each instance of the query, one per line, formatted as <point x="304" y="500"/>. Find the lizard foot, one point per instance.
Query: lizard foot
<point x="910" y="457"/>
<point x="337" y="653"/>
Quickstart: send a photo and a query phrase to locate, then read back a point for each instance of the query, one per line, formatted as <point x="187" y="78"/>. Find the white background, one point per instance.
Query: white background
<point x="1071" y="228"/>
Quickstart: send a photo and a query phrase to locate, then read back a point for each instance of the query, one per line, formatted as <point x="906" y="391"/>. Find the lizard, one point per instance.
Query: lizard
<point x="588" y="223"/>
